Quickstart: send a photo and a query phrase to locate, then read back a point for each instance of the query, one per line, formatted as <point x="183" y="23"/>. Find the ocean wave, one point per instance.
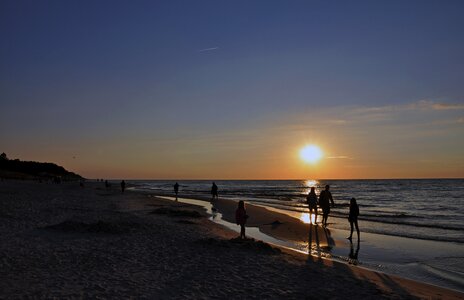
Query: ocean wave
<point x="417" y="208"/>
<point x="399" y="221"/>
<point x="414" y="235"/>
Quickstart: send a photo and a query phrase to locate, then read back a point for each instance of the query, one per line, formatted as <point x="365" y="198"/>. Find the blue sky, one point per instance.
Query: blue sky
<point x="77" y="76"/>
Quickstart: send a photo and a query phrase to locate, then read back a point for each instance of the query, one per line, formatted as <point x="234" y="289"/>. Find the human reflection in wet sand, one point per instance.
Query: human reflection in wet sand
<point x="353" y="256"/>
<point x="213" y="212"/>
<point x="320" y="250"/>
<point x="316" y="249"/>
<point x="329" y="239"/>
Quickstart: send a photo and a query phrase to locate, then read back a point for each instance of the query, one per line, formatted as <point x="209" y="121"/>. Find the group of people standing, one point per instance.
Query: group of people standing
<point x="325" y="201"/>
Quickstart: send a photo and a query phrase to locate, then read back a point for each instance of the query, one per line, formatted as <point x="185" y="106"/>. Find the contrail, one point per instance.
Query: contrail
<point x="208" y="49"/>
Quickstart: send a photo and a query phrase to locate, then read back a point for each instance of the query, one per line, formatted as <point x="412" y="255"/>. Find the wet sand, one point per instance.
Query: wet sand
<point x="63" y="241"/>
<point x="434" y="262"/>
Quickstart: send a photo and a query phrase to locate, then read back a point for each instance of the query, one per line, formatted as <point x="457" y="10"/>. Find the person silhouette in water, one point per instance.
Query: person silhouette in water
<point x="353" y="217"/>
<point x="311" y="199"/>
<point x="324" y="197"/>
<point x="214" y="191"/>
<point x="176" y="189"/>
<point x="241" y="218"/>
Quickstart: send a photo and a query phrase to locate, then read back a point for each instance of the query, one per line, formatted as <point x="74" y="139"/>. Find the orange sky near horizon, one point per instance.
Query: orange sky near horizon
<point x="358" y="144"/>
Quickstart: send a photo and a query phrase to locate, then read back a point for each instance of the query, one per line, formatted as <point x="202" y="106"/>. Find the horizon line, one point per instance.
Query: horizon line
<point x="322" y="179"/>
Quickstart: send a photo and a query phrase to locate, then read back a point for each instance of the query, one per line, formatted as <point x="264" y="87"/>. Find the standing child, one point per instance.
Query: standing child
<point x="241" y="217"/>
<point x="353" y="217"/>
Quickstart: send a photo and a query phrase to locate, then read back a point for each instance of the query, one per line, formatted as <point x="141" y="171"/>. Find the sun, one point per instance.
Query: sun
<point x="311" y="154"/>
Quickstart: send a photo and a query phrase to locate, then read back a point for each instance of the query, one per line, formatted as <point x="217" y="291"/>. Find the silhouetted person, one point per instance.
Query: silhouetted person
<point x="107" y="185"/>
<point x="311" y="199"/>
<point x="123" y="186"/>
<point x="353" y="217"/>
<point x="214" y="191"/>
<point x="241" y="218"/>
<point x="324" y="203"/>
<point x="176" y="189"/>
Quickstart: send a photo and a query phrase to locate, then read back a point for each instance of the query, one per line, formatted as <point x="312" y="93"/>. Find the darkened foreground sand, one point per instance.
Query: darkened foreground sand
<point x="62" y="241"/>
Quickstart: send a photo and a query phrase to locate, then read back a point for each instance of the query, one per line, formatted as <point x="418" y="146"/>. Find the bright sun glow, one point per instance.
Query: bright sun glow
<point x="311" y="154"/>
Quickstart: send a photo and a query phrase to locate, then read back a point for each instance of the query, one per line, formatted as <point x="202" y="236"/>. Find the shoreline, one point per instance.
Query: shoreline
<point x="69" y="242"/>
<point x="411" y="258"/>
<point x="415" y="218"/>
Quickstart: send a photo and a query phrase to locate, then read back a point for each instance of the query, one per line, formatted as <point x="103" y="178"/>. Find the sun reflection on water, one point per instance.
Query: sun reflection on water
<point x="307" y="218"/>
<point x="311" y="182"/>
<point x="308" y="184"/>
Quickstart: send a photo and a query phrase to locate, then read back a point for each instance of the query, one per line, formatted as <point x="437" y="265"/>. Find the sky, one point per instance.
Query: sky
<point x="234" y="89"/>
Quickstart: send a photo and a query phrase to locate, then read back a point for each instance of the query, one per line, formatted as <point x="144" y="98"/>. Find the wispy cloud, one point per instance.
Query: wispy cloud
<point x="339" y="157"/>
<point x="208" y="49"/>
<point x="427" y="104"/>
<point x="421" y="104"/>
<point x="376" y="109"/>
<point x="337" y="122"/>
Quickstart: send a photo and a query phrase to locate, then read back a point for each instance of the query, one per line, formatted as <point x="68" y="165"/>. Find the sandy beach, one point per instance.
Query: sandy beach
<point x="64" y="241"/>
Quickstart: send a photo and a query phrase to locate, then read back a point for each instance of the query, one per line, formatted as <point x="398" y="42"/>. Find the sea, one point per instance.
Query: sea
<point x="429" y="209"/>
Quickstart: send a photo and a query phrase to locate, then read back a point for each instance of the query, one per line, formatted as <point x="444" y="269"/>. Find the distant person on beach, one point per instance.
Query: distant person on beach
<point x="324" y="198"/>
<point x="353" y="217"/>
<point x="107" y="185"/>
<point x="214" y="191"/>
<point x="123" y="186"/>
<point x="311" y="199"/>
<point x="176" y="189"/>
<point x="241" y="218"/>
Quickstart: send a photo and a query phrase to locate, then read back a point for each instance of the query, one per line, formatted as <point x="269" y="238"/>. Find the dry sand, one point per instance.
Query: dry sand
<point x="63" y="241"/>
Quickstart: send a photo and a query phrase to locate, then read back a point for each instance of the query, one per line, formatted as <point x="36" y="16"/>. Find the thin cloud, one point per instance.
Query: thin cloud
<point x="375" y="109"/>
<point x="432" y="105"/>
<point x="339" y="157"/>
<point x="337" y="122"/>
<point x="421" y="104"/>
<point x="208" y="49"/>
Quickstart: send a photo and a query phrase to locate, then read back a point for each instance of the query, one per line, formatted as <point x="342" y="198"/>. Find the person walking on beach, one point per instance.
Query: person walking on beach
<point x="123" y="186"/>
<point x="241" y="218"/>
<point x="324" y="197"/>
<point x="311" y="199"/>
<point x="214" y="191"/>
<point x="176" y="189"/>
<point x="353" y="217"/>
